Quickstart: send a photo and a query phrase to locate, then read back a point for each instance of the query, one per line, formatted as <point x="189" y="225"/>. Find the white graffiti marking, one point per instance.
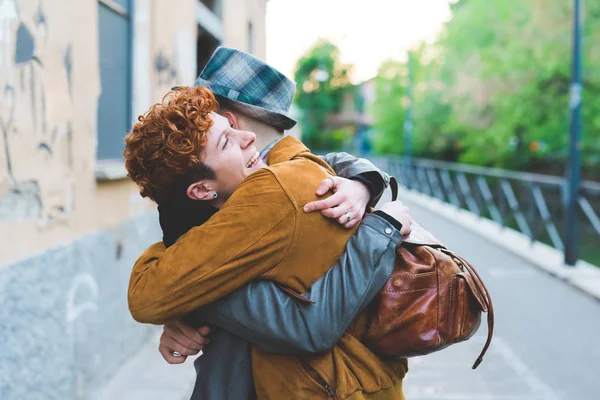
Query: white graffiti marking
<point x="88" y="284"/>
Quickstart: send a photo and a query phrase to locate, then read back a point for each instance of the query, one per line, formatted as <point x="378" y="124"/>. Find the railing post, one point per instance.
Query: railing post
<point x="573" y="169"/>
<point x="408" y="122"/>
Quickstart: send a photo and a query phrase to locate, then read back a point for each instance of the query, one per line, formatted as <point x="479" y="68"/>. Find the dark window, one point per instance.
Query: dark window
<point x="206" y="45"/>
<point x="114" y="104"/>
<point x="213" y="5"/>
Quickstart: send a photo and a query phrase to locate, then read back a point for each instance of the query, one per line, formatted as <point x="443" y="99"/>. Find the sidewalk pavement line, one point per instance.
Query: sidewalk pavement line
<point x="537" y="386"/>
<point x="583" y="276"/>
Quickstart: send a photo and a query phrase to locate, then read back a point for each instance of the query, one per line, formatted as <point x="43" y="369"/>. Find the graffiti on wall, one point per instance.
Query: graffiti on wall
<point x="36" y="111"/>
<point x="165" y="70"/>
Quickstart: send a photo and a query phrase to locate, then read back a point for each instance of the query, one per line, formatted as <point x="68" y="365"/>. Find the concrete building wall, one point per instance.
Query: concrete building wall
<point x="48" y="127"/>
<point x="237" y="15"/>
<point x="68" y="240"/>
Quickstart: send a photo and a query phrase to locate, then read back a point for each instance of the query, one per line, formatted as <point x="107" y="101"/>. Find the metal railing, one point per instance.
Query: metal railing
<point x="531" y="203"/>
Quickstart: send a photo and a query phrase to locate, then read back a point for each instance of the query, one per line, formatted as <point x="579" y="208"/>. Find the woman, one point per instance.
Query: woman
<point x="260" y="232"/>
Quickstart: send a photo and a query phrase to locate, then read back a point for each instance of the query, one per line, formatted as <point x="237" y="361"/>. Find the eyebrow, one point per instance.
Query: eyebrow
<point x="220" y="138"/>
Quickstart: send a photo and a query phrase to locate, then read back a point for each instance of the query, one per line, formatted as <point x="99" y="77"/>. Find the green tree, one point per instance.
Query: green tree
<point x="389" y="109"/>
<point x="493" y="89"/>
<point x="322" y="82"/>
<point x="432" y="136"/>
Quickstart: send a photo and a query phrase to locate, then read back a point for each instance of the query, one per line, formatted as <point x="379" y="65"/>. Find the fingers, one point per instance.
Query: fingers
<point x="192" y="334"/>
<point x="169" y="357"/>
<point x="172" y="333"/>
<point x="346" y="217"/>
<point x="181" y="338"/>
<point x="204" y="330"/>
<point x="332" y="201"/>
<point x="407" y="226"/>
<point x="173" y="345"/>
<point x="338" y="211"/>
<point x="341" y="205"/>
<point x="325" y="186"/>
<point x="165" y="348"/>
<point x="351" y="224"/>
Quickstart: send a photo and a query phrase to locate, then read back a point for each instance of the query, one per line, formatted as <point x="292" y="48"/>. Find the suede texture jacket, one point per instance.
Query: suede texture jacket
<point x="262" y="233"/>
<point x="268" y="318"/>
<point x="263" y="315"/>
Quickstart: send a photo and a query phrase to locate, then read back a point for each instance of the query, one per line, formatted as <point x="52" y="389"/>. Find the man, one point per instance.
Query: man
<point x="216" y="71"/>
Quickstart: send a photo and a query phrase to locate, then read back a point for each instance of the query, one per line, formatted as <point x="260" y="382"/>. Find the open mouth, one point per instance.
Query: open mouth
<point x="253" y="161"/>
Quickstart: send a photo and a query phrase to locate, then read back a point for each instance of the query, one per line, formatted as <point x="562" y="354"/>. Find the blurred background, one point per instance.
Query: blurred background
<point x="487" y="109"/>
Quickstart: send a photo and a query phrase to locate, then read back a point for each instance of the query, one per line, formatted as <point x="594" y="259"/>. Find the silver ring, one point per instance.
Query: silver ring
<point x="176" y="354"/>
<point x="332" y="182"/>
<point x="347" y="217"/>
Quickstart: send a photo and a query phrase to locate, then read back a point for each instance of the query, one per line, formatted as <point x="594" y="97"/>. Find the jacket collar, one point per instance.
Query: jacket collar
<point x="285" y="150"/>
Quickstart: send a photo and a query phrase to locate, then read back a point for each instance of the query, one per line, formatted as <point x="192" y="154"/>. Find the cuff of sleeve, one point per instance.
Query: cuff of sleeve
<point x="389" y="219"/>
<point x="380" y="223"/>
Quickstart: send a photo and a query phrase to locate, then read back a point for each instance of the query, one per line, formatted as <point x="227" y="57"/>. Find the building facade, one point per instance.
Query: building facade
<point x="74" y="74"/>
<point x="355" y="118"/>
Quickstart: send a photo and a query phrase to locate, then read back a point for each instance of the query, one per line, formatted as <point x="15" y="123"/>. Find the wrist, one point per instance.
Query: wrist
<point x="362" y="178"/>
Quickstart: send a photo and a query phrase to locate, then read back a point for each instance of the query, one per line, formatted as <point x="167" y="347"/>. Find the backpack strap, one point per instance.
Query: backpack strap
<point x="490" y="312"/>
<point x="394" y="188"/>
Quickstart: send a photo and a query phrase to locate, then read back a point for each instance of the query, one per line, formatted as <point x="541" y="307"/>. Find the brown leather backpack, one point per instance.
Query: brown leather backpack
<point x="433" y="299"/>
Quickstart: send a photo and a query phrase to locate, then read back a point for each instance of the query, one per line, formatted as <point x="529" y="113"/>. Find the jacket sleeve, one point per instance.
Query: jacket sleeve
<point x="249" y="236"/>
<point x="275" y="322"/>
<point x="350" y="167"/>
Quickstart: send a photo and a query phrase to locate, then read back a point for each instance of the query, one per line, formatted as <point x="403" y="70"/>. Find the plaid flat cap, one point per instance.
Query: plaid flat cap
<point x="250" y="85"/>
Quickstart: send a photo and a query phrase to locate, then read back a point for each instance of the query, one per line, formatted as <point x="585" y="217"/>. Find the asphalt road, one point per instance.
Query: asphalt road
<point x="547" y="336"/>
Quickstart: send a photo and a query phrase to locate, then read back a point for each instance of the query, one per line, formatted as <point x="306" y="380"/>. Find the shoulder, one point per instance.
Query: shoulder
<point x="285" y="150"/>
<point x="154" y="250"/>
<point x="289" y="149"/>
<point x="303" y="166"/>
<point x="262" y="187"/>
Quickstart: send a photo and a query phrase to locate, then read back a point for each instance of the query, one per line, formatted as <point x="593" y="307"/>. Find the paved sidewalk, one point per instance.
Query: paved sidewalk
<point x="148" y="377"/>
<point x="583" y="276"/>
<point x="547" y="336"/>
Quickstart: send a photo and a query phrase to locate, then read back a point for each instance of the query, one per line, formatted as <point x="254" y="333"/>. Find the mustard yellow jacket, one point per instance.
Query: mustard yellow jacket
<point x="262" y="232"/>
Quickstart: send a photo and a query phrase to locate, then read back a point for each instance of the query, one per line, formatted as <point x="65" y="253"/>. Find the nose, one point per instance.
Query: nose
<point x="246" y="138"/>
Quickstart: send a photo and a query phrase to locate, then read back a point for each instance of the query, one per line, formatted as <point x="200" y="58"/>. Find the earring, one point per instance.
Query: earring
<point x="215" y="195"/>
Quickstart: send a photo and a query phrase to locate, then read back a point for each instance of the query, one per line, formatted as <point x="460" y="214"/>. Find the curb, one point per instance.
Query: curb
<point x="583" y="276"/>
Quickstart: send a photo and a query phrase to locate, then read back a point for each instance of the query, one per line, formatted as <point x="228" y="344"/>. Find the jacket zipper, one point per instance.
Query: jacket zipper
<point x="321" y="381"/>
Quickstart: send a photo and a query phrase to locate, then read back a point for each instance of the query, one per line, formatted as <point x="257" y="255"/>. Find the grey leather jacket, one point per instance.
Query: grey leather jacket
<point x="263" y="315"/>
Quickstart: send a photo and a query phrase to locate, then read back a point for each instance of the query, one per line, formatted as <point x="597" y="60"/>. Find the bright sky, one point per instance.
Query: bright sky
<point x="367" y="32"/>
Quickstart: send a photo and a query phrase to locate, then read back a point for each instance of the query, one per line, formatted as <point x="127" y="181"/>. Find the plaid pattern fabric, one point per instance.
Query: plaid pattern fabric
<point x="265" y="152"/>
<point x="253" y="86"/>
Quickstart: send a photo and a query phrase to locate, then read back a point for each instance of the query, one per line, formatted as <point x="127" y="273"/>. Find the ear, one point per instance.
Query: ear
<point x="200" y="190"/>
<point x="234" y="122"/>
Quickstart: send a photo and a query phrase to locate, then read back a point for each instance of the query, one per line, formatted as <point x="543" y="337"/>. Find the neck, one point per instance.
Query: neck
<point x="218" y="202"/>
<point x="265" y="134"/>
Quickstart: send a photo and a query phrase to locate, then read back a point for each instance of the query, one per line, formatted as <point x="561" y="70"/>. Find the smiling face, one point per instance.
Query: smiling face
<point x="231" y="154"/>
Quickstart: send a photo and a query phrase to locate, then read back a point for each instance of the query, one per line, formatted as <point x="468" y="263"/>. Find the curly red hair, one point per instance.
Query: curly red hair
<point x="166" y="142"/>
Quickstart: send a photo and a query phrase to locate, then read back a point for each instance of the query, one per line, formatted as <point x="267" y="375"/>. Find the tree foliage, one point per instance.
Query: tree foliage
<point x="322" y="81"/>
<point x="494" y="88"/>
<point x="388" y="109"/>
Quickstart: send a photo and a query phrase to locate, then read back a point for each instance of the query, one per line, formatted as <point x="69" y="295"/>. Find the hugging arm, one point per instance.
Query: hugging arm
<point x="315" y="327"/>
<point x="275" y="322"/>
<point x="269" y="318"/>
<point x="168" y="283"/>
<point x="360" y="169"/>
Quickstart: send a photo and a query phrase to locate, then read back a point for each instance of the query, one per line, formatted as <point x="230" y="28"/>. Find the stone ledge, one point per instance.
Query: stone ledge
<point x="583" y="276"/>
<point x="110" y="170"/>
